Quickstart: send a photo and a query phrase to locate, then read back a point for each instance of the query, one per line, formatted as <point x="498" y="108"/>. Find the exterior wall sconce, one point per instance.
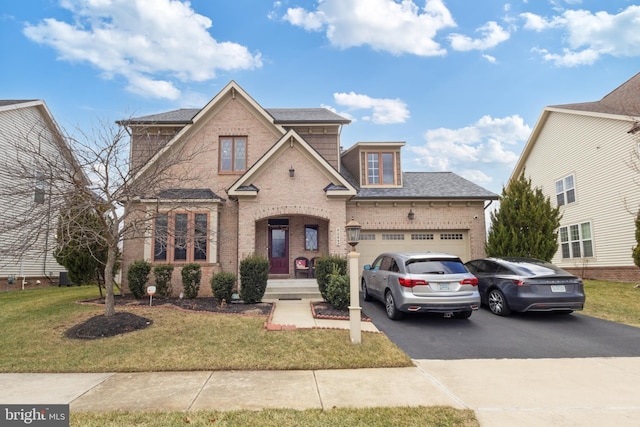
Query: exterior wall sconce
<point x="292" y="172"/>
<point x="411" y="215"/>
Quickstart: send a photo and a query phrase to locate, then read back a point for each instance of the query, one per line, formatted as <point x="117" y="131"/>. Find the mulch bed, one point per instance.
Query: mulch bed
<point x="123" y="322"/>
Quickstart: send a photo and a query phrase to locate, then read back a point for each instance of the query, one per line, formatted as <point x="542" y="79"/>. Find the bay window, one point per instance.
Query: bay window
<point x="181" y="237"/>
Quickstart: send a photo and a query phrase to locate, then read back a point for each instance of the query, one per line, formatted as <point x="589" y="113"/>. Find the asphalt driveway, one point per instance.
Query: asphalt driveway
<point x="519" y="336"/>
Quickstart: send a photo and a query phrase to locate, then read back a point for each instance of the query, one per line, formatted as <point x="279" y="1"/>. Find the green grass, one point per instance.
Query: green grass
<point x="618" y="302"/>
<point x="33" y="324"/>
<point x="437" y="416"/>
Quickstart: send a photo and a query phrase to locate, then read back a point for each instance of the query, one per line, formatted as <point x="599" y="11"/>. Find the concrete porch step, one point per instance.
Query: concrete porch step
<point x="292" y="289"/>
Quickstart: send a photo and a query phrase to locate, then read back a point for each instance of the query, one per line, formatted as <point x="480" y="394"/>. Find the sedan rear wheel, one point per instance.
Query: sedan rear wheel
<point x="498" y="303"/>
<point x="390" y="305"/>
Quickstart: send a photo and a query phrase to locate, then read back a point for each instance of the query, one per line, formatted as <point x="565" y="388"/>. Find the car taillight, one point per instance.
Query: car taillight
<point x="473" y="281"/>
<point x="518" y="282"/>
<point x="410" y="283"/>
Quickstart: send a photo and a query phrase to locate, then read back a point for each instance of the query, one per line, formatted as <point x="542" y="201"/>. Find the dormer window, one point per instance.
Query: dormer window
<point x="381" y="168"/>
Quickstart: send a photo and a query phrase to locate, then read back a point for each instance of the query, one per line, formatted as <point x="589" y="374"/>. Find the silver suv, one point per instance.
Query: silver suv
<point x="409" y="282"/>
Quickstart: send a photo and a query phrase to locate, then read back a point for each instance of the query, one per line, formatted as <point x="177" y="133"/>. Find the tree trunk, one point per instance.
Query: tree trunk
<point x="109" y="302"/>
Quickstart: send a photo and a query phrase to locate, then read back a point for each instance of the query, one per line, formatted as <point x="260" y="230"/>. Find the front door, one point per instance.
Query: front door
<point x="278" y="250"/>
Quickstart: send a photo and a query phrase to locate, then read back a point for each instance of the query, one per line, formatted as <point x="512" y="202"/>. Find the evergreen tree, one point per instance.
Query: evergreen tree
<point x="525" y="225"/>
<point x="83" y="258"/>
<point x="636" y="250"/>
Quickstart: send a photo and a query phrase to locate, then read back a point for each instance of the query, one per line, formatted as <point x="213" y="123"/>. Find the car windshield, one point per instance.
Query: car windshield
<point x="435" y="266"/>
<point x="532" y="269"/>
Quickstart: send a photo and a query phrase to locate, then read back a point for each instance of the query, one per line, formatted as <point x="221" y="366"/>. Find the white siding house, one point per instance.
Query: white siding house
<point x="26" y="128"/>
<point x="585" y="158"/>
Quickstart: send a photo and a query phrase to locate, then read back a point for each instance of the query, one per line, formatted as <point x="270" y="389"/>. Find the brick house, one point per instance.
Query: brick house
<point x="276" y="182"/>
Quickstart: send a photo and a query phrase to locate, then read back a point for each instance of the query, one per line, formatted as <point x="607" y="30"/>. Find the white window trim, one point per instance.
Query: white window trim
<point x="581" y="240"/>
<point x="565" y="190"/>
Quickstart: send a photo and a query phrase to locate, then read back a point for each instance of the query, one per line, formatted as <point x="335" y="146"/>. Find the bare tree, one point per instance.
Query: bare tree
<point x="93" y="172"/>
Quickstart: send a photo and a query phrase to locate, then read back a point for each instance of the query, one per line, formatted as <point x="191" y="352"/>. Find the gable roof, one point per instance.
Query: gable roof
<point x="291" y="116"/>
<point x="337" y="184"/>
<point x="623" y="103"/>
<point x="624" y="100"/>
<point x="427" y="185"/>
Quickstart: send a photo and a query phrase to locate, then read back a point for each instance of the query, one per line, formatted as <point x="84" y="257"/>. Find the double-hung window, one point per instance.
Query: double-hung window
<point x="576" y="241"/>
<point x="380" y="168"/>
<point x="233" y="154"/>
<point x="181" y="237"/>
<point x="565" y="191"/>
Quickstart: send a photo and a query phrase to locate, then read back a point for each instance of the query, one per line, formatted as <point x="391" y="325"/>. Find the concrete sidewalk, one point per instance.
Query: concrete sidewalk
<point x="506" y="392"/>
<point x="502" y="392"/>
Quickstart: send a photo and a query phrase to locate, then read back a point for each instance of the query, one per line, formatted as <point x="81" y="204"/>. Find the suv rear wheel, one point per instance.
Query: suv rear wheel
<point x="390" y="305"/>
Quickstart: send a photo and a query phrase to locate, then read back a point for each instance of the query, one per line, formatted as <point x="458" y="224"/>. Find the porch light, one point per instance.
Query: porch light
<point x="353" y="233"/>
<point x="411" y="215"/>
<point x="292" y="171"/>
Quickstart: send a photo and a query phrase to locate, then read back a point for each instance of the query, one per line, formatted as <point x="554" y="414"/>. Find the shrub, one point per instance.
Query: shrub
<point x="137" y="276"/>
<point x="163" y="273"/>
<point x="222" y="285"/>
<point x="191" y="276"/>
<point x="338" y="291"/>
<point x="254" y="272"/>
<point x="324" y="267"/>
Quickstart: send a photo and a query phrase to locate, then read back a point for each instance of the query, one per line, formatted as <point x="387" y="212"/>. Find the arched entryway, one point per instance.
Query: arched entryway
<point x="282" y="239"/>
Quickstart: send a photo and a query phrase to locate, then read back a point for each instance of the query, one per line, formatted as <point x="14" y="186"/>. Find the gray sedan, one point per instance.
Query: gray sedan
<point x="410" y="282"/>
<point x="526" y="284"/>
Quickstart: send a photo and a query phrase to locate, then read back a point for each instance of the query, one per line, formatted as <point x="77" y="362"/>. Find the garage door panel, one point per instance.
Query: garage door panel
<point x="373" y="243"/>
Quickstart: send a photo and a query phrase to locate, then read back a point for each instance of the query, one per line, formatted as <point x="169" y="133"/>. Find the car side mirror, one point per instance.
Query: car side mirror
<point x="367" y="267"/>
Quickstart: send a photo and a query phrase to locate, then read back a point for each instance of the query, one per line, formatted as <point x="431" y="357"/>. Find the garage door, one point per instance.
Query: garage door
<point x="373" y="243"/>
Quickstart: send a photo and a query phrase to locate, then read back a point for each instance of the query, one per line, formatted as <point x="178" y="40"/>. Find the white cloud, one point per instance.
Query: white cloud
<point x="384" y="111"/>
<point x="469" y="150"/>
<point x="153" y="44"/>
<point x="397" y="27"/>
<point x="492" y="35"/>
<point x="590" y="35"/>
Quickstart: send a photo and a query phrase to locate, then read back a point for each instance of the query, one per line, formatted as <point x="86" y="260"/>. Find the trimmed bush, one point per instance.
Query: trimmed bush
<point x="137" y="276"/>
<point x="163" y="273"/>
<point x="254" y="272"/>
<point x="222" y="286"/>
<point x="191" y="276"/>
<point x="338" y="291"/>
<point x="324" y="267"/>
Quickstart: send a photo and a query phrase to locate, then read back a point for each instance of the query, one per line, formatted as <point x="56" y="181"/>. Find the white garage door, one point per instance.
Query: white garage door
<point x="373" y="243"/>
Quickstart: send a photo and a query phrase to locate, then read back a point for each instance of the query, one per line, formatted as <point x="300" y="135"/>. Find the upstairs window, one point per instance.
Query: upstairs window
<point x="39" y="188"/>
<point x="233" y="154"/>
<point x="381" y="168"/>
<point x="565" y="191"/>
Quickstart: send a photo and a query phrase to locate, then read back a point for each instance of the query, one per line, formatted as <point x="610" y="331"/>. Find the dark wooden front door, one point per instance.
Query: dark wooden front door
<point x="278" y="250"/>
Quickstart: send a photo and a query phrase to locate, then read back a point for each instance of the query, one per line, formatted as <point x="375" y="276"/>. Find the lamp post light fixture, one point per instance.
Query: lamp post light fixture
<point x="353" y="238"/>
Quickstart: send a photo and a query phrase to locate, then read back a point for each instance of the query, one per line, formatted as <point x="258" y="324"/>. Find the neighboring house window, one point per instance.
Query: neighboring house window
<point x="233" y="153"/>
<point x="181" y="237"/>
<point x="576" y="241"/>
<point x="40" y="186"/>
<point x="311" y="237"/>
<point x="380" y="168"/>
<point x="565" y="191"/>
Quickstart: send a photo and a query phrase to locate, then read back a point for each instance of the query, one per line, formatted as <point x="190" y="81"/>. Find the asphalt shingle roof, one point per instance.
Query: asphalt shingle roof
<point x="280" y="116"/>
<point x="189" y="193"/>
<point x="624" y="100"/>
<point x="426" y="185"/>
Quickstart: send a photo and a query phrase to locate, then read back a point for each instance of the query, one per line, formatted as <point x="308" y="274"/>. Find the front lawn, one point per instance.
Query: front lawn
<point x="615" y="301"/>
<point x="33" y="324"/>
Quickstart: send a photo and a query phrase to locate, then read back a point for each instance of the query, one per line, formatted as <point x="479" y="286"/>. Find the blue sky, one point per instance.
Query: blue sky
<point x="462" y="82"/>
